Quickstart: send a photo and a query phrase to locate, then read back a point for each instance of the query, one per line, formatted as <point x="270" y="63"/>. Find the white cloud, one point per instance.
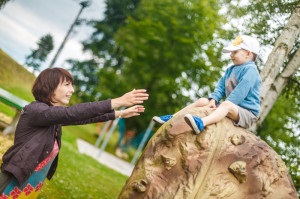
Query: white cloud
<point x="23" y="23"/>
<point x="15" y="31"/>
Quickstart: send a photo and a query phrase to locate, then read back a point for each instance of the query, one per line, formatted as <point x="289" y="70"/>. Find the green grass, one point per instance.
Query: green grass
<point x="7" y="110"/>
<point x="78" y="175"/>
<point x="15" y="78"/>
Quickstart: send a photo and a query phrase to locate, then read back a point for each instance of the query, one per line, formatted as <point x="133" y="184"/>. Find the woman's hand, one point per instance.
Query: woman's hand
<point x="130" y="112"/>
<point x="131" y="98"/>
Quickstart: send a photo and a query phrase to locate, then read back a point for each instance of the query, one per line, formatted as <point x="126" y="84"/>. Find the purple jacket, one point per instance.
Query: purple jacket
<point x="35" y="133"/>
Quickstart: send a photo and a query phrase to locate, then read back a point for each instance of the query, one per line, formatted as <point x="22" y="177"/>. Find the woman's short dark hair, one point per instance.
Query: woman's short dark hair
<point x="46" y="83"/>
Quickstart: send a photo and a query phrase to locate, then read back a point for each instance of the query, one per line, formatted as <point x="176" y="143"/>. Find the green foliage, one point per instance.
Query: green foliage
<point x="263" y="18"/>
<point x="39" y="55"/>
<point x="87" y="74"/>
<point x="86" y="78"/>
<point x="2" y="3"/>
<point x="167" y="47"/>
<point x="101" y="43"/>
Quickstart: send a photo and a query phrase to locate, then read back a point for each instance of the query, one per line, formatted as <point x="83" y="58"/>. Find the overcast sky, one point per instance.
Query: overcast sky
<point x="24" y="22"/>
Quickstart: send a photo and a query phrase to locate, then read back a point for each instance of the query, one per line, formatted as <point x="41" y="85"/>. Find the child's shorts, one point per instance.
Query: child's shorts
<point x="246" y="118"/>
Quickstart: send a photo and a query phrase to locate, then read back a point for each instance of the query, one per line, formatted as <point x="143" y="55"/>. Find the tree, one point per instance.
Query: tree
<point x="101" y="45"/>
<point x="281" y="65"/>
<point x="168" y="47"/>
<point x="2" y="3"/>
<point x="39" y="55"/>
<point x="159" y="46"/>
<point x="102" y="42"/>
<point x="276" y="80"/>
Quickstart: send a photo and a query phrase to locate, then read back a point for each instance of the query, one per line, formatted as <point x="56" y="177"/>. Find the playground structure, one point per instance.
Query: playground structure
<point x="15" y="102"/>
<point x="110" y="127"/>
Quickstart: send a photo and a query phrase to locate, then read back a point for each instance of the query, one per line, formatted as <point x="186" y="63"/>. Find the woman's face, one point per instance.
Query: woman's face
<point x="63" y="93"/>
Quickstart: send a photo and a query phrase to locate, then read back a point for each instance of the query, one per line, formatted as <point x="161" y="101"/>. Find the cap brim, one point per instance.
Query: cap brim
<point x="230" y="49"/>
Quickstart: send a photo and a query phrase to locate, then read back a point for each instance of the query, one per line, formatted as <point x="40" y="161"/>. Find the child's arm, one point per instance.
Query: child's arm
<point x="219" y="91"/>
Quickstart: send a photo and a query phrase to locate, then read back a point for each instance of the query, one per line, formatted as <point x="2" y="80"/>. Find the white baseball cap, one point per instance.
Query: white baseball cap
<point x="243" y="42"/>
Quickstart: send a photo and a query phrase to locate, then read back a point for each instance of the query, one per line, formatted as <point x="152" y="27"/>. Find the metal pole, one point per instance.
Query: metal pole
<point x="103" y="132"/>
<point x="111" y="130"/>
<point x="141" y="145"/>
<point x="83" y="4"/>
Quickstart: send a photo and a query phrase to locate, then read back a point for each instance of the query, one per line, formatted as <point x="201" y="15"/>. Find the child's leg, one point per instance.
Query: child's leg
<point x="226" y="108"/>
<point x="199" y="103"/>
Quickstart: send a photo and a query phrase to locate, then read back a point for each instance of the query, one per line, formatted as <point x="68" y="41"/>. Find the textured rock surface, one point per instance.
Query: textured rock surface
<point x="222" y="162"/>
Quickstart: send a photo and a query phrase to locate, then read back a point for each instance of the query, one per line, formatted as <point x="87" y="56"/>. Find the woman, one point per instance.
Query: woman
<point x="34" y="155"/>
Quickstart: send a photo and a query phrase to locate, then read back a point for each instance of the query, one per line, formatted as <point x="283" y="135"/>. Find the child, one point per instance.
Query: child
<point x="240" y="85"/>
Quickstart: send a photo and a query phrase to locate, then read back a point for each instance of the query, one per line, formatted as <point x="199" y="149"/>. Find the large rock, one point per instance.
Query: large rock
<point x="223" y="161"/>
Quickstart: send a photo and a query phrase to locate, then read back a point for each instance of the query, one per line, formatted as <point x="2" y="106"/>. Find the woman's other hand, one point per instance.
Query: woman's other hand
<point x="130" y="112"/>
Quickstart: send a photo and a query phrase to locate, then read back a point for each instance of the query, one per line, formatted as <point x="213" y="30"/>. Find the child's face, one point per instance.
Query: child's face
<point x="240" y="57"/>
<point x="63" y="93"/>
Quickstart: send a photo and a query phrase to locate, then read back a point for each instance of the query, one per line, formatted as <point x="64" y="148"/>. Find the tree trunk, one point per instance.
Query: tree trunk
<point x="273" y="81"/>
<point x="278" y="86"/>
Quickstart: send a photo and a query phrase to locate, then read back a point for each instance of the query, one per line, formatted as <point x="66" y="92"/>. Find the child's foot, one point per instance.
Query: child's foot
<point x="162" y="119"/>
<point x="195" y="122"/>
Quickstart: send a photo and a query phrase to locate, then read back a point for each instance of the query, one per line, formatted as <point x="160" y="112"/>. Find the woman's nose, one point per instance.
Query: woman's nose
<point x="72" y="89"/>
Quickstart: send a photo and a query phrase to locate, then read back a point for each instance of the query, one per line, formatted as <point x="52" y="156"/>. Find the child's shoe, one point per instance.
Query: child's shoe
<point x="162" y="119"/>
<point x="195" y="122"/>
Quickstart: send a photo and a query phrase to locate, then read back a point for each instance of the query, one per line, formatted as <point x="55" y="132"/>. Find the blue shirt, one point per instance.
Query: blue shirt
<point x="241" y="85"/>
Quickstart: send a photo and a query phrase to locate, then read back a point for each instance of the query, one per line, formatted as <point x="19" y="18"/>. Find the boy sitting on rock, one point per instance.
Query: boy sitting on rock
<point x="240" y="85"/>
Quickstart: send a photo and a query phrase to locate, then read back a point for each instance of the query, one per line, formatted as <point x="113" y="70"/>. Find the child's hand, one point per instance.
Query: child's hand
<point x="212" y="104"/>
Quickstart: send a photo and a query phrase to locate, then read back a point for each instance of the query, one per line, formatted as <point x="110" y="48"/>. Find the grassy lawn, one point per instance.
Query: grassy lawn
<point x="80" y="176"/>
